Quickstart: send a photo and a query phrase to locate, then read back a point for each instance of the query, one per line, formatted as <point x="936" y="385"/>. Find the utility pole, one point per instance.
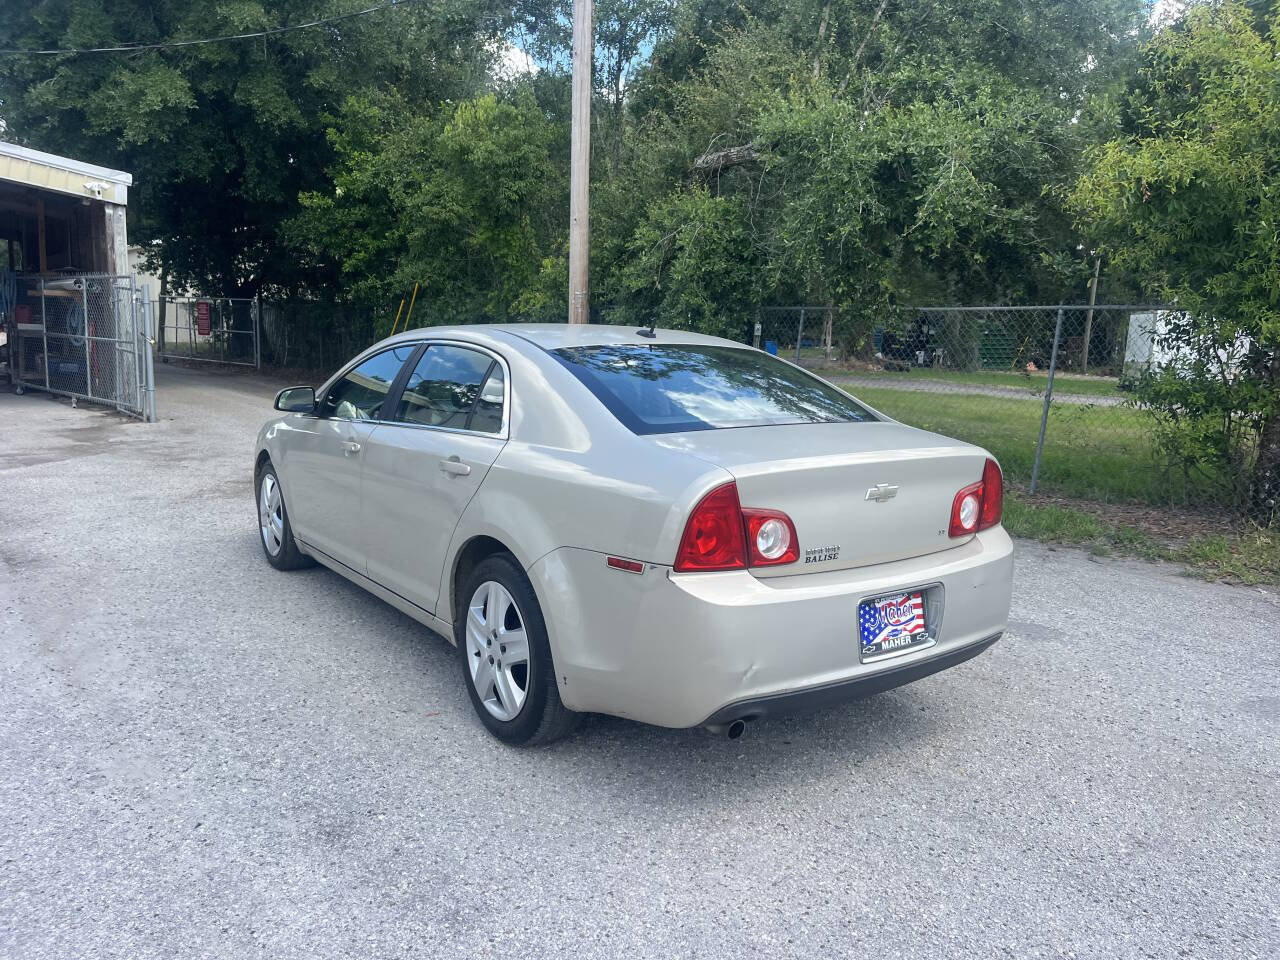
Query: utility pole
<point x="580" y="163"/>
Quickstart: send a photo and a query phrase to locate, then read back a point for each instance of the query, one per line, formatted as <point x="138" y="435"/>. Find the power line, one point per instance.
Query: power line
<point x="274" y="31"/>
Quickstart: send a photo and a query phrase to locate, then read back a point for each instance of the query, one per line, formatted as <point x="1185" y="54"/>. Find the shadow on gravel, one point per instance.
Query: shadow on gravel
<point x="639" y="767"/>
<point x="791" y="749"/>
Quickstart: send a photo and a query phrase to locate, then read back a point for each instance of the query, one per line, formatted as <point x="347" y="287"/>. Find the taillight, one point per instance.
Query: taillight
<point x="721" y="535"/>
<point x="992" y="495"/>
<point x="713" y="537"/>
<point x="979" y="505"/>
<point x="966" y="509"/>
<point x="771" y="538"/>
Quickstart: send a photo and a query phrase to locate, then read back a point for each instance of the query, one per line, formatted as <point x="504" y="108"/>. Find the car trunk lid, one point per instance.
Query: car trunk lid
<point x="858" y="493"/>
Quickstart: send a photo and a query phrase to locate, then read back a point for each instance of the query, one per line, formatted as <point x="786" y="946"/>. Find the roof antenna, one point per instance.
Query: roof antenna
<point x="649" y="333"/>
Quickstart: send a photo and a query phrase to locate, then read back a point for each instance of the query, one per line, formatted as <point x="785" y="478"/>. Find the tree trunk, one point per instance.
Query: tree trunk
<point x="161" y="312"/>
<point x="711" y="163"/>
<point x="827" y="328"/>
<point x="822" y="35"/>
<point x="616" y="152"/>
<point x="1088" y="320"/>
<point x="875" y="22"/>
<point x="1264" y="490"/>
<point x="238" y="316"/>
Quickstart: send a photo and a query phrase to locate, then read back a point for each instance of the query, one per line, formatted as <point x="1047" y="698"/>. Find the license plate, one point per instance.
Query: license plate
<point x="892" y="624"/>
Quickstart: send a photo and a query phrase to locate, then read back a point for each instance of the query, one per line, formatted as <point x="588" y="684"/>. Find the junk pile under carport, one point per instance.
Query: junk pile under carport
<point x="68" y="304"/>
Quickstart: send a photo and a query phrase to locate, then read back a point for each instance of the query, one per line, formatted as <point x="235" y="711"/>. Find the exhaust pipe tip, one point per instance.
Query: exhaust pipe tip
<point x="732" y="730"/>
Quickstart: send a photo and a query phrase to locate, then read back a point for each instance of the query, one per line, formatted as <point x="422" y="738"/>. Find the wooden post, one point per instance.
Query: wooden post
<point x="580" y="164"/>
<point x="1088" y="317"/>
<point x="412" y="301"/>
<point x="44" y="260"/>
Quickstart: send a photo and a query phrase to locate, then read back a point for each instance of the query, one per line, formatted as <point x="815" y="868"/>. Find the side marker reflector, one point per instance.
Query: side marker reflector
<point x="622" y="563"/>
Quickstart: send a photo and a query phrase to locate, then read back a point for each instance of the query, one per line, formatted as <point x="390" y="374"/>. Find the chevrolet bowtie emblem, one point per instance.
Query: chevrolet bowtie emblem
<point x="882" y="492"/>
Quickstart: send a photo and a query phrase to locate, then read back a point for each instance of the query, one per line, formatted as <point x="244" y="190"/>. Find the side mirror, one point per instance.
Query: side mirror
<point x="296" y="400"/>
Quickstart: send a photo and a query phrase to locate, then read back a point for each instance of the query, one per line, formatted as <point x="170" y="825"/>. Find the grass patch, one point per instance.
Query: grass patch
<point x="1090" y="452"/>
<point x="1251" y="557"/>
<point x="1058" y="524"/>
<point x="1034" y="384"/>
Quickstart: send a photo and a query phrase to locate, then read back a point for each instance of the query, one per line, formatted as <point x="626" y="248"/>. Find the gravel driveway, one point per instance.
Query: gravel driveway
<point x="200" y="756"/>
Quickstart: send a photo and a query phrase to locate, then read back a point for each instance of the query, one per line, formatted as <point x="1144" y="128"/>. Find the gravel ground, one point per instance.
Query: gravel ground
<point x="200" y="756"/>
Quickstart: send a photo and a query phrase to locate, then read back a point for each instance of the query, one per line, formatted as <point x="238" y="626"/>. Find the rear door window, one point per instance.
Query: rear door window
<point x="677" y="387"/>
<point x="450" y="387"/>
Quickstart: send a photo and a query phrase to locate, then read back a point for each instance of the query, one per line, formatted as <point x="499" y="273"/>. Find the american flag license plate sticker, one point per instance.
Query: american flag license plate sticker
<point x="892" y="623"/>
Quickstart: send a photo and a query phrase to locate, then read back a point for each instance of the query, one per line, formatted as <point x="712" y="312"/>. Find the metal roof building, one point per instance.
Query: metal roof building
<point x="59" y="215"/>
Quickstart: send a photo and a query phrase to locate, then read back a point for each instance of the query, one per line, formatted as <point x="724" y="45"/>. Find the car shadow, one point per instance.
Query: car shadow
<point x="637" y="762"/>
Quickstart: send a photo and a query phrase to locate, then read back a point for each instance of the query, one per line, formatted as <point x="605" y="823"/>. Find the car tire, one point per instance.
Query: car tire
<point x="539" y="717"/>
<point x="275" y="532"/>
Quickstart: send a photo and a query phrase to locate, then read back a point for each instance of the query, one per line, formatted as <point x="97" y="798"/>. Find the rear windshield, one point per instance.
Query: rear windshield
<point x="676" y="387"/>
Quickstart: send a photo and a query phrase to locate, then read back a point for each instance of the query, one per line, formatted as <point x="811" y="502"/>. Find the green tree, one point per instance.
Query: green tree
<point x="222" y="138"/>
<point x="1188" y="201"/>
<point x="462" y="202"/>
<point x="874" y="152"/>
<point x="692" y="265"/>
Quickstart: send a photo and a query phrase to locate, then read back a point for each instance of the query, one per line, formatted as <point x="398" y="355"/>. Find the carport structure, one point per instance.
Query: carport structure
<point x="74" y="319"/>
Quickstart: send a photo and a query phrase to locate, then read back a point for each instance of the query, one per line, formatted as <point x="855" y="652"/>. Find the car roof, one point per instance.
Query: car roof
<point x="551" y="336"/>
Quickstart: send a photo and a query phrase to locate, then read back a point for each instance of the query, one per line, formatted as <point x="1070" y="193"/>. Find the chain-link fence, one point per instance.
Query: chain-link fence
<point x="315" y="336"/>
<point x="208" y="329"/>
<point x="82" y="336"/>
<point x="1049" y="390"/>
<point x="318" y="336"/>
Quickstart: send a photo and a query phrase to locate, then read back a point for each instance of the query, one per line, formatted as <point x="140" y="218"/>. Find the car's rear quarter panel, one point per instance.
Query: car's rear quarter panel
<point x="572" y="476"/>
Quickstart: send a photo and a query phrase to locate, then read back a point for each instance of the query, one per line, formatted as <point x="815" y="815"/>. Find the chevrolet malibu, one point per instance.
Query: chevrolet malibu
<point x="653" y="524"/>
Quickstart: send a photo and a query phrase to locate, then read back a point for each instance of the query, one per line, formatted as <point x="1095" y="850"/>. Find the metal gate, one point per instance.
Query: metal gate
<point x="209" y="329"/>
<point x="84" y="336"/>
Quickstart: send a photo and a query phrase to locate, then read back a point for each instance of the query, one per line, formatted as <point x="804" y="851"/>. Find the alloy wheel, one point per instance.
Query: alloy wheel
<point x="271" y="514"/>
<point x="497" y="650"/>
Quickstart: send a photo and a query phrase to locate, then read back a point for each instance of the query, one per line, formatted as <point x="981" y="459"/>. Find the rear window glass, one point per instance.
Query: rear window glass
<point x="676" y="387"/>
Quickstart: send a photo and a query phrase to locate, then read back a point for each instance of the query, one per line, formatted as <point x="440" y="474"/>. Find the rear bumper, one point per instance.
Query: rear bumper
<point x="679" y="650"/>
<point x="842" y="691"/>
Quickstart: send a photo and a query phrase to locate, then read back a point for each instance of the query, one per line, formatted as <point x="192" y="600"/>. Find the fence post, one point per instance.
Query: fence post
<point x="135" y="315"/>
<point x="1048" y="398"/>
<point x="88" y="361"/>
<point x="799" y="334"/>
<point x="44" y="332"/>
<point x="150" y="338"/>
<point x="257" y="331"/>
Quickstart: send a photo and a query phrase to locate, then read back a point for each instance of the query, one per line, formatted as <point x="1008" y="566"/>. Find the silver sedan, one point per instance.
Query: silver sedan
<point x="657" y="525"/>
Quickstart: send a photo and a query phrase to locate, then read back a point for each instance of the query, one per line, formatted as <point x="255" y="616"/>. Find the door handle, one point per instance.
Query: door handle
<point x="455" y="467"/>
<point x="350" y="448"/>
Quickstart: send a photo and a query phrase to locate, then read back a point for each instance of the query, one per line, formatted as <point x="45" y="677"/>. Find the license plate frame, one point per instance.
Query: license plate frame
<point x="893" y="624"/>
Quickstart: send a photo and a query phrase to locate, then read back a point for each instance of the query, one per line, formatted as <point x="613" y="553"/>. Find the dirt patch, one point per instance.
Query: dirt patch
<point x="1173" y="525"/>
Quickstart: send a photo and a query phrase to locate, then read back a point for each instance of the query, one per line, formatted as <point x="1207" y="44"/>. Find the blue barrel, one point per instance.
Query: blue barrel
<point x="771" y="346"/>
